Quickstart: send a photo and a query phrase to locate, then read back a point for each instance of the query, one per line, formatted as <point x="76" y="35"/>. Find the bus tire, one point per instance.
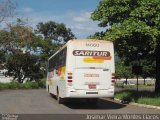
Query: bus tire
<point x="59" y="99"/>
<point x="50" y="94"/>
<point x="48" y="89"/>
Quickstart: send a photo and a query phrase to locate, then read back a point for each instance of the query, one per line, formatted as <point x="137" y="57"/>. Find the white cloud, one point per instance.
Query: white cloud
<point x="80" y="23"/>
<point x="82" y="17"/>
<point x="27" y="10"/>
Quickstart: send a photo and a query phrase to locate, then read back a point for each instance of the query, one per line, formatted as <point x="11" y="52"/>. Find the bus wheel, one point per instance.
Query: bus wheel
<point x="49" y="91"/>
<point x="59" y="99"/>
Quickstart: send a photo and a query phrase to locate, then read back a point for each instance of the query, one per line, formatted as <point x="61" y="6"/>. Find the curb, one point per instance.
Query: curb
<point x="138" y="104"/>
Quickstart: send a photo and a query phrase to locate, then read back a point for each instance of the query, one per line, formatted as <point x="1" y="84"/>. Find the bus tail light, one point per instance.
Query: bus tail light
<point x="69" y="73"/>
<point x="113" y="79"/>
<point x="69" y="82"/>
<point x="69" y="79"/>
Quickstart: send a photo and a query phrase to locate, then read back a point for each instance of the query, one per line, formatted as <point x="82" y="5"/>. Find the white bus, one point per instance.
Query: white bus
<point x="82" y="69"/>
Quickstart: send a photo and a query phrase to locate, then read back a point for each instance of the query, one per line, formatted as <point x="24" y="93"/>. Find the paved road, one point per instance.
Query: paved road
<point x="39" y="102"/>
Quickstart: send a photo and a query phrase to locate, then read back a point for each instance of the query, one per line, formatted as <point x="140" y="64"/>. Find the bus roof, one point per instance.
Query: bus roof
<point x="93" y="40"/>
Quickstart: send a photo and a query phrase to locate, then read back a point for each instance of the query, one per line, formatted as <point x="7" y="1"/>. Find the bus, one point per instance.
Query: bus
<point x="82" y="68"/>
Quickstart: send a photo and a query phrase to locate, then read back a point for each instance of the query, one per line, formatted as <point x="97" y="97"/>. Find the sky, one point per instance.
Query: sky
<point x="75" y="14"/>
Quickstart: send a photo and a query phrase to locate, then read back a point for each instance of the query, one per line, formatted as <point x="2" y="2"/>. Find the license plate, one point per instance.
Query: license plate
<point x="91" y="86"/>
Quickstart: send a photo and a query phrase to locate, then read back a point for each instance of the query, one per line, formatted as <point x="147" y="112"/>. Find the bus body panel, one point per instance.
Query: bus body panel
<point x="88" y="70"/>
<point x="72" y="93"/>
<point x="92" y="79"/>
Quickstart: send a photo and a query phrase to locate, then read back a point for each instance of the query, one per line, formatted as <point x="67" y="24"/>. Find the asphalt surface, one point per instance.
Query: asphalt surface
<point x="38" y="101"/>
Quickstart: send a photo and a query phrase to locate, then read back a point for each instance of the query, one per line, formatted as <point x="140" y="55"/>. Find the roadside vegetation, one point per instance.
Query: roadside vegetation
<point x="24" y="50"/>
<point x="142" y="97"/>
<point x="27" y="85"/>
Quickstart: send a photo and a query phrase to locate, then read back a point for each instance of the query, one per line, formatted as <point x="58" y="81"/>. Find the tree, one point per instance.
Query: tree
<point x="3" y="39"/>
<point x="28" y="52"/>
<point x="51" y="36"/>
<point x="2" y="57"/>
<point x="16" y="37"/>
<point x="123" y="71"/>
<point x="23" y="65"/>
<point x="57" y="32"/>
<point x="16" y="43"/>
<point x="134" y="28"/>
<point x="45" y="48"/>
<point x="148" y="69"/>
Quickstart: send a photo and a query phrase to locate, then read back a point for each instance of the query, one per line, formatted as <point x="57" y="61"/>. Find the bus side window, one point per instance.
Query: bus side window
<point x="56" y="62"/>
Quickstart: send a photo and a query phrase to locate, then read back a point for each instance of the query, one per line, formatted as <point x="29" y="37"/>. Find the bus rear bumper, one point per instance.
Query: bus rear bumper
<point x="72" y="93"/>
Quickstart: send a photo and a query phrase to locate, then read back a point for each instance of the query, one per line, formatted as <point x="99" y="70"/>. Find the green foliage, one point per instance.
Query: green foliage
<point x="51" y="37"/>
<point x="21" y="35"/>
<point x="129" y="37"/>
<point x="122" y="70"/>
<point x="2" y="57"/>
<point x="42" y="83"/>
<point x="13" y="85"/>
<point x="143" y="97"/>
<point x="133" y="23"/>
<point x="4" y="36"/>
<point x="125" y="96"/>
<point x="15" y="44"/>
<point x="45" y="48"/>
<point x="149" y="101"/>
<point x="97" y="35"/>
<point x="3" y="86"/>
<point x="25" y="53"/>
<point x="24" y="65"/>
<point x="55" y="31"/>
<point x="4" y="39"/>
<point x="28" y="85"/>
<point x="149" y="68"/>
<point x="109" y="12"/>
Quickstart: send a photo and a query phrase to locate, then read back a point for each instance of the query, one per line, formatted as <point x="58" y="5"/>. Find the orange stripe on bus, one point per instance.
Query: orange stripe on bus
<point x="102" y="58"/>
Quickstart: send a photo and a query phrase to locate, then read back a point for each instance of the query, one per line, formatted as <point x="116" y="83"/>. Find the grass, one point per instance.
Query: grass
<point x="149" y="101"/>
<point x="27" y="85"/>
<point x="142" y="97"/>
<point x="125" y="96"/>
